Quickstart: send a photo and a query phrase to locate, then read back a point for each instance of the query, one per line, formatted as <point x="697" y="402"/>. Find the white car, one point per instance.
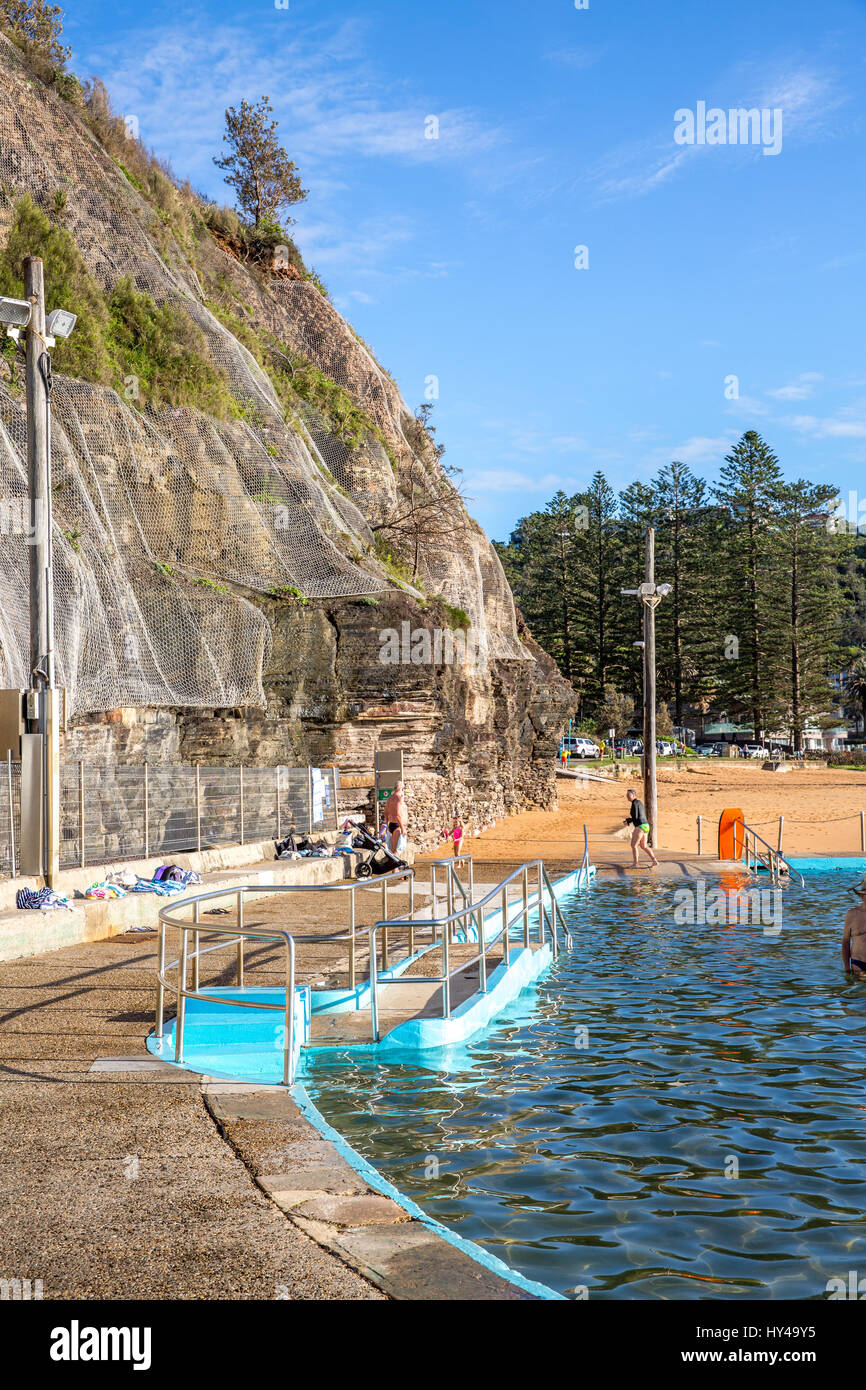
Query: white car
<point x="582" y="748"/>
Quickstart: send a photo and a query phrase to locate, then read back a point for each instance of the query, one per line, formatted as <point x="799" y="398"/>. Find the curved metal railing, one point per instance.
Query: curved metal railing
<point x="464" y="919"/>
<point x="236" y="936"/>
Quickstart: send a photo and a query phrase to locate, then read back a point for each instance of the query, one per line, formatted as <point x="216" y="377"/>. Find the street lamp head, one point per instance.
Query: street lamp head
<point x="15" y="315"/>
<point x="60" y="323"/>
<point x="664" y="589"/>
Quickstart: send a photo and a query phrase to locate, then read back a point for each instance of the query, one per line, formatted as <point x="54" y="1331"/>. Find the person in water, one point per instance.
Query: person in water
<point x="637" y="819"/>
<point x="854" y="935"/>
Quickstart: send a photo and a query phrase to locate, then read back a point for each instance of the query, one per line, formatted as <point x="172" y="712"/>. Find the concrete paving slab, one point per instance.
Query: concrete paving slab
<point x="353" y="1211"/>
<point x="337" y="1177"/>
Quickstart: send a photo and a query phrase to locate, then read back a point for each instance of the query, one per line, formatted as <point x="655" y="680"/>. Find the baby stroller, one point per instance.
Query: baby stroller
<point x="380" y="860"/>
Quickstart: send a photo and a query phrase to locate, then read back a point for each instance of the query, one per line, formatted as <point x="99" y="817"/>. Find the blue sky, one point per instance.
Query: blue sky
<point x="455" y="257"/>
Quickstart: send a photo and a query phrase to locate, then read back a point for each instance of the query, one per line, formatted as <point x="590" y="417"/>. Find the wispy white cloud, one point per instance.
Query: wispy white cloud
<point x="333" y="104"/>
<point x="698" y="449"/>
<point x="849" y="424"/>
<point x="579" y="57"/>
<point x="808" y="98"/>
<point x="514" y="480"/>
<point x="799" y="390"/>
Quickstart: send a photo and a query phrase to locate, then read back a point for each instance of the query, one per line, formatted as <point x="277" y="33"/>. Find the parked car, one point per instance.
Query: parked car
<point x="628" y="747"/>
<point x="582" y="748"/>
<point x="665" y="749"/>
<point x="753" y="750"/>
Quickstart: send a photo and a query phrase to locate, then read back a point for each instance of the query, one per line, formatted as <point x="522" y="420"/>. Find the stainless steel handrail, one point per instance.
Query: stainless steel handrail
<point x="239" y="933"/>
<point x="452" y="880"/>
<point x="775" y="860"/>
<point x="547" y="921"/>
<point x="583" y="871"/>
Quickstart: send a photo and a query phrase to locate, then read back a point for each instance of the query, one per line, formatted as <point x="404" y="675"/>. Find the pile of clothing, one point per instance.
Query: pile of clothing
<point x="296" y="846"/>
<point x="43" y="898"/>
<point x="167" y="880"/>
<point x="299" y="846"/>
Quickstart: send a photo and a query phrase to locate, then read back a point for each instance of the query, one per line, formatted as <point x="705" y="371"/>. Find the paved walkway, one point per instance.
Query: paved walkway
<point x="122" y="1178"/>
<point x="119" y="1184"/>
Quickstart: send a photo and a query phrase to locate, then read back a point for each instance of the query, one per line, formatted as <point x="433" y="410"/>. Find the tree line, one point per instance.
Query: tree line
<point x="767" y="603"/>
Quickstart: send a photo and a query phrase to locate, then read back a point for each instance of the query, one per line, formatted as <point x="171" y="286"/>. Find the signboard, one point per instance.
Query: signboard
<point x="389" y="771"/>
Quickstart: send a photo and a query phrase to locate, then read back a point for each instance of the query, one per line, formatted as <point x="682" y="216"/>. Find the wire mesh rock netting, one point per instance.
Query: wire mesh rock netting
<point x="162" y="515"/>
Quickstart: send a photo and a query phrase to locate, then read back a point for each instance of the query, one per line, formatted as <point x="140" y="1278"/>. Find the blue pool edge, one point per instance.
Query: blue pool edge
<point x="373" y="1178"/>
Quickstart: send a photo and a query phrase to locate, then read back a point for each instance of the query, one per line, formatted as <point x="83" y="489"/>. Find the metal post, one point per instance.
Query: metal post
<point x="198" y="807"/>
<point x="289" y="1051"/>
<point x="525" y="907"/>
<point x="241" y="771"/>
<point x="196" y="944"/>
<point x="649" y="747"/>
<point x="160" y="987"/>
<point x="81" y="851"/>
<point x="279" y="809"/>
<point x="412" y="914"/>
<point x="384" y="929"/>
<point x="700" y="834"/>
<point x="482" y="946"/>
<point x="446" y="971"/>
<point x="352" y="962"/>
<point x="146" y="811"/>
<point x="12" y="811"/>
<point x="781" y="827"/>
<point x="43" y="721"/>
<point x="374" y="988"/>
<point x="181" y="998"/>
<point x="506" y="952"/>
<point x="471" y="879"/>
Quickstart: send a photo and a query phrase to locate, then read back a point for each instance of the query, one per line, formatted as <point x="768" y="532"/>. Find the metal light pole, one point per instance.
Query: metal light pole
<point x="41" y="760"/>
<point x="650" y="595"/>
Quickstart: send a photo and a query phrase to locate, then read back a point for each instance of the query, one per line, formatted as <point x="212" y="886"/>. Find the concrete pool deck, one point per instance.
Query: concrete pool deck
<point x="130" y="1179"/>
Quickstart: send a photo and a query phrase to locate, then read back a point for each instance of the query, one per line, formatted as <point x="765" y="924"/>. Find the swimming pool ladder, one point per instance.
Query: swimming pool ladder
<point x="463" y="920"/>
<point x="756" y="851"/>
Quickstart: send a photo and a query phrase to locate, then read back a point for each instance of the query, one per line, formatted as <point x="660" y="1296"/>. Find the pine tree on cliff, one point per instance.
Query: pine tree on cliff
<point x="257" y="167"/>
<point x="604" y="628"/>
<point x="750" y="619"/>
<point x="35" y="26"/>
<point x="810" y="552"/>
<point x="686" y="540"/>
<point x="540" y="562"/>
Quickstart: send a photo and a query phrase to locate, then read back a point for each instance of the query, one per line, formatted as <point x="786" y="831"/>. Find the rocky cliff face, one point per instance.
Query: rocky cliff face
<point x="221" y="596"/>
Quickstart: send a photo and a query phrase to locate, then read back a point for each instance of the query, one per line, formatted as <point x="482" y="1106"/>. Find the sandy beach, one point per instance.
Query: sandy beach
<point x="821" y="808"/>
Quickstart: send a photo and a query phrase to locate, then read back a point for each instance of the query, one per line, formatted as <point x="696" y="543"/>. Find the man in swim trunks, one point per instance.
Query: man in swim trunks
<point x="397" y="819"/>
<point x="854" y="936"/>
<point x="637" y="819"/>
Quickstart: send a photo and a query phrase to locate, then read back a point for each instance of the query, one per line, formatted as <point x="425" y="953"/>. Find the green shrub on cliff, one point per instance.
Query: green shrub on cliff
<point x="68" y="285"/>
<point x="166" y="353"/>
<point x="118" y="340"/>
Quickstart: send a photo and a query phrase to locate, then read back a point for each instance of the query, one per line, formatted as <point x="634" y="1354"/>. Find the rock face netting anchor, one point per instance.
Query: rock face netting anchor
<point x="161" y="515"/>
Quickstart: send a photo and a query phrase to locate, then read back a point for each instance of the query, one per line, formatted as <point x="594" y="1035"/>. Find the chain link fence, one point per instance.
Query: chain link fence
<point x="139" y="811"/>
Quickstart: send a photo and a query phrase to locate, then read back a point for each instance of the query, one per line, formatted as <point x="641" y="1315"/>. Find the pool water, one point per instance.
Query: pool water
<point x="674" y="1111"/>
